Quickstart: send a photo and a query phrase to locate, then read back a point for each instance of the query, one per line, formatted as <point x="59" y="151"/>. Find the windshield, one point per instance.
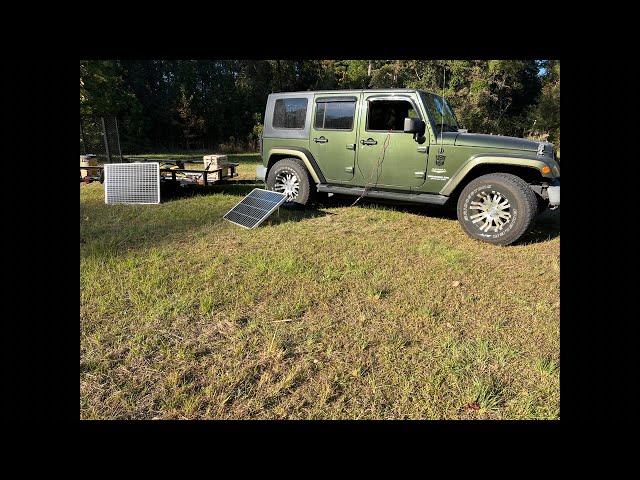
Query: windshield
<point x="440" y="113"/>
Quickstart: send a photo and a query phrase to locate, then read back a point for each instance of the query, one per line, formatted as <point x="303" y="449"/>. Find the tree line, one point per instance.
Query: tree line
<point x="219" y="105"/>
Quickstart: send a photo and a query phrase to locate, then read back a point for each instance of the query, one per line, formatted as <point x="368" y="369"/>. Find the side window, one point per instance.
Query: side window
<point x="319" y="121"/>
<point x="290" y="113"/>
<point x="389" y="115"/>
<point x="335" y="115"/>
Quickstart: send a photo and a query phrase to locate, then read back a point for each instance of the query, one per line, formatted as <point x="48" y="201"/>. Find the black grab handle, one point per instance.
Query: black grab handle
<point x="368" y="141"/>
<point x="320" y="140"/>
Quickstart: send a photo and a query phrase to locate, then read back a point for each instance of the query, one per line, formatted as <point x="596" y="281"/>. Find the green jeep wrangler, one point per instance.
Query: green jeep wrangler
<point x="405" y="145"/>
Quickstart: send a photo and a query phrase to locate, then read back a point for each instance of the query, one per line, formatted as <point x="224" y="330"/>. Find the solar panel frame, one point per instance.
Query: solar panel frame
<point x="255" y="208"/>
<point x="132" y="183"/>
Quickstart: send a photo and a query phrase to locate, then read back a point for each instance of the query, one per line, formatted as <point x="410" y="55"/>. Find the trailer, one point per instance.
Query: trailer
<point x="177" y="174"/>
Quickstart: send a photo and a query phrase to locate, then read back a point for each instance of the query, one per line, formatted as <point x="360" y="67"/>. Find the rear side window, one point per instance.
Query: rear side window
<point x="389" y="115"/>
<point x="335" y="115"/>
<point x="290" y="113"/>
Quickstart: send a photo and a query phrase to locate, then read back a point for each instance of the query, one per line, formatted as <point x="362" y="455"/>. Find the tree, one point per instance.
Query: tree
<point x="202" y="104"/>
<point x="546" y="114"/>
<point x="101" y="88"/>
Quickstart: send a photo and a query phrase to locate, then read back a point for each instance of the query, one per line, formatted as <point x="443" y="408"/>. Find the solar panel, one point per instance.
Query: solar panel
<point x="132" y="182"/>
<point x="255" y="208"/>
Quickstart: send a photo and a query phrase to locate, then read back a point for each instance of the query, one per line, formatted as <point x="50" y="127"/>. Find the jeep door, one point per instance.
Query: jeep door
<point x="388" y="157"/>
<point x="333" y="135"/>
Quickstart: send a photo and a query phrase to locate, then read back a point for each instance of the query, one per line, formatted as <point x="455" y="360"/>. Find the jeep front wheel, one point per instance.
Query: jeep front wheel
<point x="290" y="176"/>
<point x="497" y="208"/>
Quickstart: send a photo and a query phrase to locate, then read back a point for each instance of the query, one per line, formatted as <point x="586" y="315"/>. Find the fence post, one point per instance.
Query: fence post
<point x="106" y="140"/>
<point x="84" y="142"/>
<point x="115" y="119"/>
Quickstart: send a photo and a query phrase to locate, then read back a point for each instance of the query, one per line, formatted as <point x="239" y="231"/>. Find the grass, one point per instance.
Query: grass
<point x="366" y="312"/>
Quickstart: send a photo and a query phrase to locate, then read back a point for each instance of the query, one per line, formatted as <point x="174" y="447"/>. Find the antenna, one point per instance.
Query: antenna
<point x="444" y="79"/>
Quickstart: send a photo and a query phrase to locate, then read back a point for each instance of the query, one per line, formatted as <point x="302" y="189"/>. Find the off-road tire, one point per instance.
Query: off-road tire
<point x="296" y="167"/>
<point x="522" y="207"/>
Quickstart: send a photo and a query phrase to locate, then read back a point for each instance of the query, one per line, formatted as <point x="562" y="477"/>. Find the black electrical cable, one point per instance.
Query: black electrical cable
<point x="367" y="185"/>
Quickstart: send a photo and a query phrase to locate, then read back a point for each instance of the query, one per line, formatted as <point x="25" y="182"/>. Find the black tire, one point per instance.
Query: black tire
<point x="495" y="221"/>
<point x="295" y="167"/>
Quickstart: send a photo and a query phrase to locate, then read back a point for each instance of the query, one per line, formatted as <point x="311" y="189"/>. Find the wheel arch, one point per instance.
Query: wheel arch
<point x="526" y="168"/>
<point x="276" y="154"/>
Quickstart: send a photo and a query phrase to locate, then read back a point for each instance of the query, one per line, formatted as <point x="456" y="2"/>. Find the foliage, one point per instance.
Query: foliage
<point x="196" y="104"/>
<point x="546" y="114"/>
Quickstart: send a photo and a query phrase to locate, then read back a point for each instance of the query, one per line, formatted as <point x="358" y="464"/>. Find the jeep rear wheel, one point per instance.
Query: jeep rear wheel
<point x="290" y="176"/>
<point x="497" y="208"/>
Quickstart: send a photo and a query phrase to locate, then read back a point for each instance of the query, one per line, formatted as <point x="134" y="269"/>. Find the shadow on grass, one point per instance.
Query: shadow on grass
<point x="545" y="228"/>
<point x="108" y="230"/>
<point x="294" y="214"/>
<point x="434" y="211"/>
<point x="112" y="230"/>
<point x="243" y="188"/>
<point x="170" y="192"/>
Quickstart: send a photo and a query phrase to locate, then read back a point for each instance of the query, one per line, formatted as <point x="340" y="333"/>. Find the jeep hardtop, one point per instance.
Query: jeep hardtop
<point x="405" y="145"/>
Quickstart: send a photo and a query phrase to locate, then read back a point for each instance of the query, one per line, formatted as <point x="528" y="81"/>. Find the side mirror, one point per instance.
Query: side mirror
<point x="415" y="126"/>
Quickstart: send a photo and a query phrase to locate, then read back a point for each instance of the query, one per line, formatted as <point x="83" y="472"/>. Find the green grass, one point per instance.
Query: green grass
<point x="372" y="311"/>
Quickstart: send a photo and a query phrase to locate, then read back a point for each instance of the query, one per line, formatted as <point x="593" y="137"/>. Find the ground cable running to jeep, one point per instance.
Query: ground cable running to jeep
<point x="333" y="142"/>
<point x="368" y="186"/>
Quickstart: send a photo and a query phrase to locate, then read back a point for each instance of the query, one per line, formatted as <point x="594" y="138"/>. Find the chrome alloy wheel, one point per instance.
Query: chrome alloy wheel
<point x="287" y="182"/>
<point x="494" y="211"/>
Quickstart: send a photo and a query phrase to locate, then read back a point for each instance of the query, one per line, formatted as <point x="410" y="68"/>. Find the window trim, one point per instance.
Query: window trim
<point x="344" y="98"/>
<point x="353" y="100"/>
<point x="389" y="99"/>
<point x="290" y="128"/>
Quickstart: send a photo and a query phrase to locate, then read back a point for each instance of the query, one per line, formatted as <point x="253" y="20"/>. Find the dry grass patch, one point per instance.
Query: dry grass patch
<point x="370" y="311"/>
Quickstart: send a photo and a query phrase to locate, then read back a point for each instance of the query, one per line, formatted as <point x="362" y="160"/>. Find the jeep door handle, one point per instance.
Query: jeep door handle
<point x="320" y="140"/>
<point x="351" y="146"/>
<point x="368" y="141"/>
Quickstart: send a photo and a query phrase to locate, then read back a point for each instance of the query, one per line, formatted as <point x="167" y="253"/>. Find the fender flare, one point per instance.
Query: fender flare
<point x="494" y="159"/>
<point x="304" y="155"/>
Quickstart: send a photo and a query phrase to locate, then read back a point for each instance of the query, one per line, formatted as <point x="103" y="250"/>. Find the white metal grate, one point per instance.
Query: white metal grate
<point x="255" y="208"/>
<point x="132" y="182"/>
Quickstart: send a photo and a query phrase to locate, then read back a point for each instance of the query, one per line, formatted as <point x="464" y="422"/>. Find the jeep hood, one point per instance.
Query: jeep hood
<point x="489" y="141"/>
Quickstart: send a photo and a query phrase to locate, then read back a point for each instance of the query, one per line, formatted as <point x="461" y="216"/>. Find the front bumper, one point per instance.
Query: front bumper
<point x="553" y="191"/>
<point x="261" y="173"/>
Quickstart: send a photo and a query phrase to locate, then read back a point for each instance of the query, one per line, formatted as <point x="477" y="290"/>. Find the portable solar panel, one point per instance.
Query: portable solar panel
<point x="255" y="208"/>
<point x="132" y="182"/>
